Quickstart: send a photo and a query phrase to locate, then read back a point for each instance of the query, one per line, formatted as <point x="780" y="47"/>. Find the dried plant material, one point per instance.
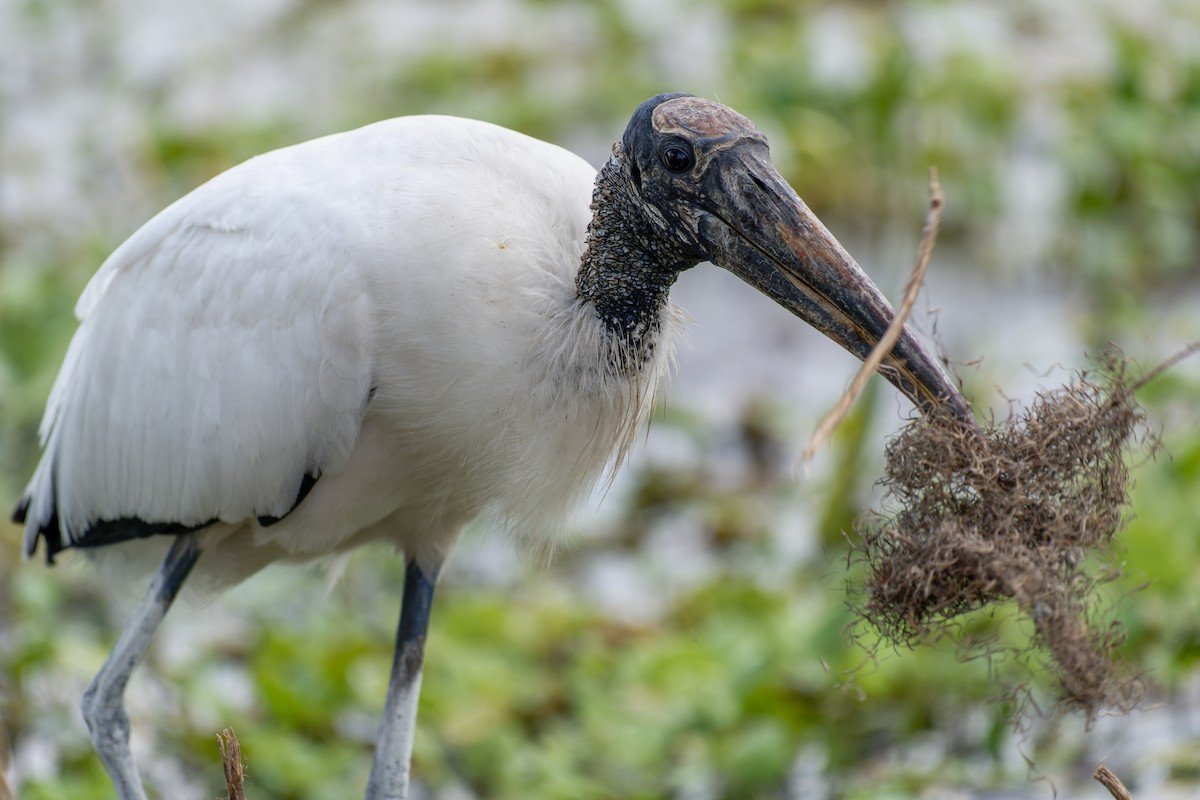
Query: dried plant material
<point x="881" y="350"/>
<point x="1025" y="513"/>
<point x="1110" y="781"/>
<point x="231" y="760"/>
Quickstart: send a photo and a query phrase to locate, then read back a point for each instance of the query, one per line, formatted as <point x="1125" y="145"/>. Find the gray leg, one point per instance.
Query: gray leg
<point x="104" y="700"/>
<point x="393" y="750"/>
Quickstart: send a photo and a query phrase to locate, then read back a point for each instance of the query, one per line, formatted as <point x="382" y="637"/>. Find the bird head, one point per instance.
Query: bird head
<point x="706" y="181"/>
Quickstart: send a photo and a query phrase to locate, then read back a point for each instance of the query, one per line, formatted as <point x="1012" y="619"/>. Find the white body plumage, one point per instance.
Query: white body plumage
<point x="393" y="308"/>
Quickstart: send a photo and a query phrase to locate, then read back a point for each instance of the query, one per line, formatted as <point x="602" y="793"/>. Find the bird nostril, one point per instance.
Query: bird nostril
<point x="762" y="187"/>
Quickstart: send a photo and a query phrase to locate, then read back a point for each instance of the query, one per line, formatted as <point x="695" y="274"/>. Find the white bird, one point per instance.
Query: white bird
<point x="382" y="334"/>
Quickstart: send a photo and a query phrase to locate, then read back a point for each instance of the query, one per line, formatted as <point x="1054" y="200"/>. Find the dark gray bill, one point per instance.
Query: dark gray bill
<point x="761" y="231"/>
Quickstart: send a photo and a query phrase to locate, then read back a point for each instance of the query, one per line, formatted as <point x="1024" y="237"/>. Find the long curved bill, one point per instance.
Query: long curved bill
<point x="760" y="230"/>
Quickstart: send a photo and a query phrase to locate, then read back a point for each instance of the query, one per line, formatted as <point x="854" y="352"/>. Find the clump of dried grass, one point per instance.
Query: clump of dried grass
<point x="1025" y="512"/>
<point x="1021" y="511"/>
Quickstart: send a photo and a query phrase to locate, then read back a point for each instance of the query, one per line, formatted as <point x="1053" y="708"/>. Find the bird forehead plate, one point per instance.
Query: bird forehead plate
<point x="695" y="116"/>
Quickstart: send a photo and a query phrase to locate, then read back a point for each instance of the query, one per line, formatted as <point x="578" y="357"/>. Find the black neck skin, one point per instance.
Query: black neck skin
<point x="628" y="265"/>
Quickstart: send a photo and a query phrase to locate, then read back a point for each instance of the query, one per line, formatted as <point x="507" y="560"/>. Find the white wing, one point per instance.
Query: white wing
<point x="223" y="354"/>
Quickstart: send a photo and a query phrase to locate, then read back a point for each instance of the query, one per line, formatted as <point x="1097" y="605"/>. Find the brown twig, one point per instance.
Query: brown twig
<point x="1166" y="365"/>
<point x="1111" y="782"/>
<point x="231" y="760"/>
<point x="928" y="235"/>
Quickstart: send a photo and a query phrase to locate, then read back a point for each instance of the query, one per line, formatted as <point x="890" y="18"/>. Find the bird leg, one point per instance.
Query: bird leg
<point x="393" y="750"/>
<point x="104" y="700"/>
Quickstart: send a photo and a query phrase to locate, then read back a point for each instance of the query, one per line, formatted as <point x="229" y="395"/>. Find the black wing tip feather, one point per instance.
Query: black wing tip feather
<point x="306" y="485"/>
<point x="18" y="515"/>
<point x="48" y="531"/>
<point x="99" y="534"/>
<point x="114" y="531"/>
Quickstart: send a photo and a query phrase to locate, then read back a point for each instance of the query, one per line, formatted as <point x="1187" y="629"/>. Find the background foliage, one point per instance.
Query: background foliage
<point x="689" y="644"/>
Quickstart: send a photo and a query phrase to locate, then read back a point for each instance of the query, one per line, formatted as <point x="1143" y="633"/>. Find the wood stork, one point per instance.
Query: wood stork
<point x="382" y="334"/>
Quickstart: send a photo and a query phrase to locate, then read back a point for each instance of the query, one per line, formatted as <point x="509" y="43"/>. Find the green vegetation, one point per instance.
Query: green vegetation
<point x="738" y="682"/>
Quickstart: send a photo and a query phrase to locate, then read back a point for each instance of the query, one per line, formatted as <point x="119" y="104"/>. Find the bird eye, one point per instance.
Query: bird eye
<point x="676" y="158"/>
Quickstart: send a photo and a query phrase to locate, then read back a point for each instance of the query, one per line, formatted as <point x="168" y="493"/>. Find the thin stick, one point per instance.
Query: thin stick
<point x="1166" y="365"/>
<point x="1111" y="782"/>
<point x="231" y="760"/>
<point x="928" y="235"/>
